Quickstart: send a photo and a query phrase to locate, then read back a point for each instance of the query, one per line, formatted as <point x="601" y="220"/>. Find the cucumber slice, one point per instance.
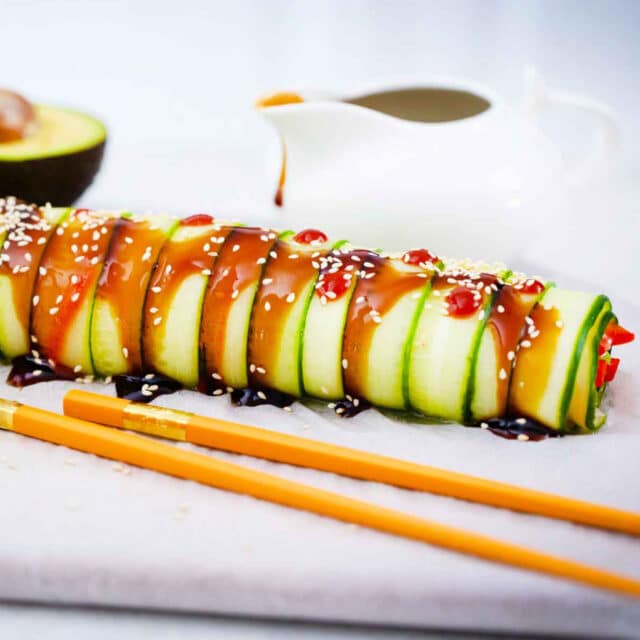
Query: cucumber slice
<point x="279" y="314"/>
<point x="547" y="363"/>
<point x="443" y="354"/>
<point x="321" y="342"/>
<point x="22" y="247"/>
<point x="585" y="398"/>
<point x="380" y="318"/>
<point x="65" y="289"/>
<point x="229" y="301"/>
<point x="174" y="302"/>
<point x="116" y="325"/>
<point x="496" y="353"/>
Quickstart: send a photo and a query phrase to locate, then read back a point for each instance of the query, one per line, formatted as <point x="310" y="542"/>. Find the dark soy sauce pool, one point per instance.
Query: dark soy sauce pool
<point x="431" y="104"/>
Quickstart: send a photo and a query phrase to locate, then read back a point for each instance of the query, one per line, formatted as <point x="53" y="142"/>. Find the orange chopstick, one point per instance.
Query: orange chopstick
<point x="261" y="443"/>
<point x="164" y="458"/>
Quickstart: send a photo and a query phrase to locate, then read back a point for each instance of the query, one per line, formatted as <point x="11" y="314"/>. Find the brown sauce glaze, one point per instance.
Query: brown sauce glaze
<point x="239" y="265"/>
<point x="124" y="280"/>
<point x="535" y="356"/>
<point x="284" y="280"/>
<point x="380" y="285"/>
<point x="519" y="429"/>
<point x="21" y="254"/>
<point x="145" y="388"/>
<point x="30" y="369"/>
<point x="177" y="261"/>
<point x="507" y="322"/>
<point x="68" y="273"/>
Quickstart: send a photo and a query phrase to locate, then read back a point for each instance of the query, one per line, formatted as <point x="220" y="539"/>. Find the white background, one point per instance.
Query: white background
<point x="176" y="81"/>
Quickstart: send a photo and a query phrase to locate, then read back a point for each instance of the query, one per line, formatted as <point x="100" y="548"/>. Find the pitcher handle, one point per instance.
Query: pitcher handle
<point x="606" y="139"/>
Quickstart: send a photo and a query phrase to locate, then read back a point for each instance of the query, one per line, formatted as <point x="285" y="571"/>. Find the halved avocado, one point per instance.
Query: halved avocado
<point x="56" y="157"/>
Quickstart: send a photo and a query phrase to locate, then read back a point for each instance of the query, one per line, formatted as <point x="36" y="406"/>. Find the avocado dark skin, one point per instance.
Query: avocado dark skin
<point x="60" y="180"/>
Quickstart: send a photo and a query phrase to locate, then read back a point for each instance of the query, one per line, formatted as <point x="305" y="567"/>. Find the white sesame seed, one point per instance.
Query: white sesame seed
<point x="511" y="355"/>
<point x="128" y="240"/>
<point x="484" y="425"/>
<point x="156" y="289"/>
<point x="526" y="344"/>
<point x="236" y="247"/>
<point x="291" y="297"/>
<point x="261" y="260"/>
<point x="235" y="294"/>
<point x="273" y="254"/>
<point x="502" y="375"/>
<point x="42" y="271"/>
<point x="293" y="256"/>
<point x="262" y="395"/>
<point x="75" y="297"/>
<point x="206" y="272"/>
<point x="218" y="392"/>
<point x="157" y="321"/>
<point x="125" y="352"/>
<point x="35" y="300"/>
<point x="252" y="368"/>
<point x="267" y="280"/>
<point x="559" y="324"/>
<point x="53" y="311"/>
<point x="267" y="306"/>
<point x="345" y="363"/>
<point x="500" y="308"/>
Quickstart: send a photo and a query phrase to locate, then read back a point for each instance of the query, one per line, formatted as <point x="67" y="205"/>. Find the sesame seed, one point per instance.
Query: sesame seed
<point x="500" y="308"/>
<point x="511" y="355"/>
<point x="252" y="368"/>
<point x="156" y="289"/>
<point x="236" y="247"/>
<point x="293" y="256"/>
<point x="262" y="395"/>
<point x="291" y="297"/>
<point x="206" y="272"/>
<point x="125" y="352"/>
<point x="261" y="260"/>
<point x="267" y="280"/>
<point x="59" y="298"/>
<point x="559" y="324"/>
<point x="75" y="297"/>
<point x="523" y="437"/>
<point x="157" y="321"/>
<point x="128" y="240"/>
<point x="502" y="375"/>
<point x="345" y="363"/>
<point x="35" y="300"/>
<point x="42" y="271"/>
<point x="526" y="344"/>
<point x="267" y="306"/>
<point x="235" y="294"/>
<point x="273" y="254"/>
<point x="218" y="392"/>
<point x="261" y="370"/>
<point x="484" y="425"/>
<point x="53" y="311"/>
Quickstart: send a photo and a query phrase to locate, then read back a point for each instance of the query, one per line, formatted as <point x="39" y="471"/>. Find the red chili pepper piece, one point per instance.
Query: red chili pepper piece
<point x="420" y="256"/>
<point x="601" y="373"/>
<point x="310" y="236"/>
<point x="618" y="334"/>
<point x="531" y="286"/>
<point x="461" y="302"/>
<point x="332" y="285"/>
<point x="198" y="220"/>
<point x="605" y="344"/>
<point x="612" y="369"/>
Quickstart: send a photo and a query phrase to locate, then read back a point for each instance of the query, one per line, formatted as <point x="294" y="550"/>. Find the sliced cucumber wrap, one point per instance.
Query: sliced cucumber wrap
<point x="218" y="306"/>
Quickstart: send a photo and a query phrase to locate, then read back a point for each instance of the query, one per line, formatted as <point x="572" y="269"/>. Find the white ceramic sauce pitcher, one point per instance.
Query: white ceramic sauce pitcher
<point x="471" y="186"/>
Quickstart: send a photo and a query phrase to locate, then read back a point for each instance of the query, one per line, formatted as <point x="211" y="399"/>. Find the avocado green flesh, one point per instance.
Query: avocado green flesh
<point x="59" y="132"/>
